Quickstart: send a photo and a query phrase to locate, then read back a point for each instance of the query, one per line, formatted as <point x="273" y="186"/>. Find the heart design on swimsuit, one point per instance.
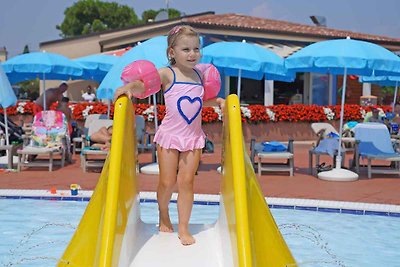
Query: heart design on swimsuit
<point x="189" y="108"/>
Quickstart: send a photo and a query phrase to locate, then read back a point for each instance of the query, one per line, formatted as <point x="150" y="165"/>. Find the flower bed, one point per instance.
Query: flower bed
<point x="252" y="114"/>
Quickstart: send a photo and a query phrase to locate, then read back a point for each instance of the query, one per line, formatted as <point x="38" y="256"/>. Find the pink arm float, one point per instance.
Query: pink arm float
<point x="145" y="71"/>
<point x="211" y="80"/>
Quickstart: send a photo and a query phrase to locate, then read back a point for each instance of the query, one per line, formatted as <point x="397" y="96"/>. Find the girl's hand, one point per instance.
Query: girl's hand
<point x="129" y="89"/>
<point x="221" y="103"/>
<point x="123" y="90"/>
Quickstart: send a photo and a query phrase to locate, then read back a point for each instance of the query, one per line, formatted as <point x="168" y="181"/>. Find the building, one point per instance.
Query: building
<point x="3" y="54"/>
<point x="282" y="37"/>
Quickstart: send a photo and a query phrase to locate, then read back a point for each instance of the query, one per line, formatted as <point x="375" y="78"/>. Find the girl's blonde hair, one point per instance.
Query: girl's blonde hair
<point x="175" y="33"/>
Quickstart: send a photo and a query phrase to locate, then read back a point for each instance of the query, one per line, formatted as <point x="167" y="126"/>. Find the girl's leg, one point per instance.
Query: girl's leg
<point x="168" y="163"/>
<point x="188" y="164"/>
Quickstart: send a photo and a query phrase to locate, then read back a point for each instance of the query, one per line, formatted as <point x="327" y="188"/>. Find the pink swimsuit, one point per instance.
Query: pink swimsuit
<point x="181" y="126"/>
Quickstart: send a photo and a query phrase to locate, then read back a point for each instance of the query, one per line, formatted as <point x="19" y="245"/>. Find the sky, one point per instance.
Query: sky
<point x="29" y="22"/>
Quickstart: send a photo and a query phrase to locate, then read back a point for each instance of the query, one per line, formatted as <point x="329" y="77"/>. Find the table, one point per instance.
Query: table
<point x="10" y="150"/>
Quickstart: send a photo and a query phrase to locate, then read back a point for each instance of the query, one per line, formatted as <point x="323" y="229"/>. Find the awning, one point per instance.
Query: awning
<point x="282" y="49"/>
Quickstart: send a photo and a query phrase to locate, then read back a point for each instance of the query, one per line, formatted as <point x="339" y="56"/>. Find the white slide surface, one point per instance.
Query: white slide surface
<point x="165" y="249"/>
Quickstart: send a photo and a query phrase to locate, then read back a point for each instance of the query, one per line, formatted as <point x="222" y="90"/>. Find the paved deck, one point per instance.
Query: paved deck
<point x="382" y="189"/>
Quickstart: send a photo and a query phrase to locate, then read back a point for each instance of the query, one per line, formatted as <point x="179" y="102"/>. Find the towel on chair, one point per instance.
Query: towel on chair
<point x="328" y="145"/>
<point x="374" y="139"/>
<point x="273" y="146"/>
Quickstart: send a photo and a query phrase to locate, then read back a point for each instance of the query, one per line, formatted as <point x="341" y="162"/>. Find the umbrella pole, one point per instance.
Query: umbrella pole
<point x="339" y="156"/>
<point x="153" y="168"/>
<point x="339" y="174"/>
<point x="239" y="83"/>
<point x="44" y="91"/>
<point x="395" y="97"/>
<point x="6" y="128"/>
<point x="108" y="108"/>
<point x="155" y="113"/>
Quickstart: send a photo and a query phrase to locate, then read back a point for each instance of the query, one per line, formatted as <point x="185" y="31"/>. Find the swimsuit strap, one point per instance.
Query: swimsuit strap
<point x="173" y="82"/>
<point x="198" y="74"/>
<point x="173" y="72"/>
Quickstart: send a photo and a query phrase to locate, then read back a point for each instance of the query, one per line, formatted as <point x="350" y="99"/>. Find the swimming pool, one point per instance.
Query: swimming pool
<point x="36" y="232"/>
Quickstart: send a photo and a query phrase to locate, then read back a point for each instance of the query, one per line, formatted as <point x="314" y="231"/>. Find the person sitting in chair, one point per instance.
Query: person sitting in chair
<point x="89" y="95"/>
<point x="374" y="116"/>
<point x="102" y="138"/>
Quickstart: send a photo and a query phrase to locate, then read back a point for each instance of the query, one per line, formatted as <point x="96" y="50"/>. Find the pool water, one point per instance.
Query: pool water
<point x="36" y="233"/>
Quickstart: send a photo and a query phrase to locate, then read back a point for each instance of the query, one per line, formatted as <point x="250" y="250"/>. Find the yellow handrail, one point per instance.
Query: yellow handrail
<point x="99" y="240"/>
<point x="99" y="236"/>
<point x="258" y="240"/>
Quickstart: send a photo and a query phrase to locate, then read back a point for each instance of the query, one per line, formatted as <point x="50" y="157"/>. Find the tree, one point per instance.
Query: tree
<point x="26" y="50"/>
<point x="151" y="14"/>
<point x="172" y="13"/>
<point x="29" y="89"/>
<point x="88" y="16"/>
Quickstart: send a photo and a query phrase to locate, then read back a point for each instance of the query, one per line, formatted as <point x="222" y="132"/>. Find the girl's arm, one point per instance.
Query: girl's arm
<point x="218" y="101"/>
<point x="129" y="89"/>
<point x="137" y="87"/>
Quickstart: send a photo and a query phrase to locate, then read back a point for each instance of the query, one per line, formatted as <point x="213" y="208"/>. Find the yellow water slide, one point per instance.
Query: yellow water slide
<point x="111" y="232"/>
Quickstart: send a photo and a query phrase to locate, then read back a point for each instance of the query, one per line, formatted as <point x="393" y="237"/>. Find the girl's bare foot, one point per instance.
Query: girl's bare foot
<point x="165" y="224"/>
<point x="185" y="236"/>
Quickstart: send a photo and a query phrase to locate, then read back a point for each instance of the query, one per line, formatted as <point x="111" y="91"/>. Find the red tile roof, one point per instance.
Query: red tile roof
<point x="254" y="23"/>
<point x="118" y="52"/>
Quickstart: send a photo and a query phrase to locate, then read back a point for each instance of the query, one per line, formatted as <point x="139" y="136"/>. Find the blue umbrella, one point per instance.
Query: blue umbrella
<point x="153" y="50"/>
<point x="246" y="60"/>
<point x="95" y="67"/>
<point x="383" y="81"/>
<point x="344" y="56"/>
<point x="7" y="98"/>
<point x="41" y="65"/>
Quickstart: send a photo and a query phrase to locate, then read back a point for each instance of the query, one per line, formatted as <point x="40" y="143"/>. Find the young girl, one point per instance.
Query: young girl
<point x="180" y="137"/>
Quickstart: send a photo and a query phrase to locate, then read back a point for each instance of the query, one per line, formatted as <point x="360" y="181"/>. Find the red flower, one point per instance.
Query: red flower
<point x="292" y="113"/>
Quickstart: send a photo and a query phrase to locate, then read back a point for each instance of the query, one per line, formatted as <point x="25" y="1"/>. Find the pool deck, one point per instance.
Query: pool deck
<point x="381" y="188"/>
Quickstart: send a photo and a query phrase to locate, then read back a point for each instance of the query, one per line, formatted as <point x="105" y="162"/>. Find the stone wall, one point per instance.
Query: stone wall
<point x="272" y="131"/>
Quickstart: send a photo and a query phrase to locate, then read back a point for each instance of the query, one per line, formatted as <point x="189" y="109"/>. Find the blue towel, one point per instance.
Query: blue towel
<point x="332" y="135"/>
<point x="328" y="145"/>
<point x="352" y="124"/>
<point x="274" y="146"/>
<point x="374" y="140"/>
<point x="390" y="115"/>
<point x="376" y="134"/>
<point x="369" y="149"/>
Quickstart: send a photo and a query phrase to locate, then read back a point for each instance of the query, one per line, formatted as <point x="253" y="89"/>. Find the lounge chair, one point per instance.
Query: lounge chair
<point x="144" y="138"/>
<point x="93" y="157"/>
<point x="256" y="149"/>
<point x="77" y="141"/>
<point x="322" y="129"/>
<point x="49" y="137"/>
<point x="373" y="142"/>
